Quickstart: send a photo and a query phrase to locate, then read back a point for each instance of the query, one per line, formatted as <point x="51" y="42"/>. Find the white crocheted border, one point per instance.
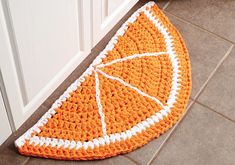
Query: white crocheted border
<point x="53" y="142"/>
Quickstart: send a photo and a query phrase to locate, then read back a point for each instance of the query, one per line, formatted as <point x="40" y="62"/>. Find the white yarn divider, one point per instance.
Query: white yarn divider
<point x="100" y="108"/>
<point x="154" y="54"/>
<point x="107" y="139"/>
<point x="130" y="86"/>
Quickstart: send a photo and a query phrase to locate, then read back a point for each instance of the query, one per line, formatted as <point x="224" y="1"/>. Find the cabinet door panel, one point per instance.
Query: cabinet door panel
<point x="106" y="13"/>
<point x="113" y="5"/>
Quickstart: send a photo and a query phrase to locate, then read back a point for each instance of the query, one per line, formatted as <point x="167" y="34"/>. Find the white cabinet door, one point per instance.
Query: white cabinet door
<point x="41" y="44"/>
<point x="5" y="129"/>
<point x="106" y="13"/>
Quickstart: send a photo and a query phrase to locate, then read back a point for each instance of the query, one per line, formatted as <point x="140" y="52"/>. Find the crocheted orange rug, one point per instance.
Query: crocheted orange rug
<point x="134" y="91"/>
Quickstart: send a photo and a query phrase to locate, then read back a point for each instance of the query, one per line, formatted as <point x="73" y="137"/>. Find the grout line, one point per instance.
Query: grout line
<point x="213" y="72"/>
<point x="170" y="133"/>
<point x="209" y="108"/>
<point x="166" y="5"/>
<point x="199" y="27"/>
<point x="132" y="160"/>
<point x="191" y="98"/>
<point x="26" y="161"/>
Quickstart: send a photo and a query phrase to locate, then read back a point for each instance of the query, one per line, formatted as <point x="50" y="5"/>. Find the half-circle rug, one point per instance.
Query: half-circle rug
<point x="135" y="90"/>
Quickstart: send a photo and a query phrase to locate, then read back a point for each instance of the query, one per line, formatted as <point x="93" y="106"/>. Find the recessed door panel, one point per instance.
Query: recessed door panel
<point x="47" y="38"/>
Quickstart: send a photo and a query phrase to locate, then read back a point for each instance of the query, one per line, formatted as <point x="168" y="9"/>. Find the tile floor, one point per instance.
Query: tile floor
<point x="206" y="133"/>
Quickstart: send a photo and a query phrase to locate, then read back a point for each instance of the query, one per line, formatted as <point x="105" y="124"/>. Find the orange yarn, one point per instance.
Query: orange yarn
<point x="76" y="132"/>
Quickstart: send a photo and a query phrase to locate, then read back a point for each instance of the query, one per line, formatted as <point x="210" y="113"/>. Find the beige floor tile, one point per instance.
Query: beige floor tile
<point x="205" y="51"/>
<point x="145" y="154"/>
<point x="9" y="154"/>
<point x="214" y="15"/>
<point x="203" y="137"/>
<point x="220" y="91"/>
<point x="119" y="160"/>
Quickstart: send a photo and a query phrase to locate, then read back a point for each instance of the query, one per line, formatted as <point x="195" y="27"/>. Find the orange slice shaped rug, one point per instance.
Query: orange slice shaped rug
<point x="135" y="90"/>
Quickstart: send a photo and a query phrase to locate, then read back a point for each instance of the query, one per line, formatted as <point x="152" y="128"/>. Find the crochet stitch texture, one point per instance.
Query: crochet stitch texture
<point x="135" y="90"/>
